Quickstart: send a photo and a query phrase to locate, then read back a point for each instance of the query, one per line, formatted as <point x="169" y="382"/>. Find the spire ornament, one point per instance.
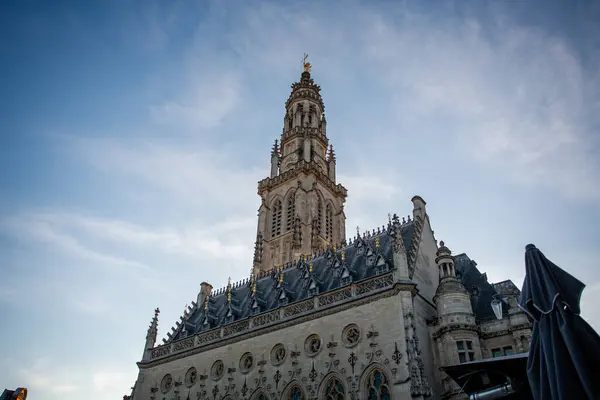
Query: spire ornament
<point x="306" y="64"/>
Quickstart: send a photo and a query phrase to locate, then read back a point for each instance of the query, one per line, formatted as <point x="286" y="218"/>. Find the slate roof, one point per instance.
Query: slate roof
<point x="476" y="283"/>
<point x="362" y="258"/>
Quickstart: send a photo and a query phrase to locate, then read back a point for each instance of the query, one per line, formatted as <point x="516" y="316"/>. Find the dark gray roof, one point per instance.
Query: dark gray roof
<point x="363" y="257"/>
<point x="482" y="292"/>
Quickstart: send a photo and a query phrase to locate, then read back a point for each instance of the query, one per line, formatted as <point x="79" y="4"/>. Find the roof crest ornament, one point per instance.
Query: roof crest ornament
<point x="306" y="64"/>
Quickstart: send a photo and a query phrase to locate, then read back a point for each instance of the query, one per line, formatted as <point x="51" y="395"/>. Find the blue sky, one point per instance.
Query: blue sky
<point x="134" y="133"/>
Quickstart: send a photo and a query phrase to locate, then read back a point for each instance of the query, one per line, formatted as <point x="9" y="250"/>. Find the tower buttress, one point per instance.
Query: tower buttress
<point x="302" y="208"/>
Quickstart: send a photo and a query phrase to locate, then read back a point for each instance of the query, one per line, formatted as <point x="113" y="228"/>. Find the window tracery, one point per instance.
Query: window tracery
<point x="334" y="389"/>
<point x="291" y="211"/>
<point x="276" y="218"/>
<point x="295" y="393"/>
<point x="377" y="386"/>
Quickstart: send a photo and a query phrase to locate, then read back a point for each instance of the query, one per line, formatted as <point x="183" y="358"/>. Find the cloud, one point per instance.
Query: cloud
<point x="203" y="105"/>
<point x="46" y="229"/>
<point x="46" y="376"/>
<point x="190" y="173"/>
<point x="514" y="97"/>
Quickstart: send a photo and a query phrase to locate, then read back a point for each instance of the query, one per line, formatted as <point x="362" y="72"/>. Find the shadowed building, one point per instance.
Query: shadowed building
<point x="323" y="316"/>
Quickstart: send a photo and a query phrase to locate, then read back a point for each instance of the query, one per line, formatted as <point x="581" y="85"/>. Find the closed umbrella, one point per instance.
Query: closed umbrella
<point x="564" y="356"/>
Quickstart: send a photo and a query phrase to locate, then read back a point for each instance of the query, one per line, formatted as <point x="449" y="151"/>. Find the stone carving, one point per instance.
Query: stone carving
<point x="352" y="361"/>
<point x="299" y="308"/>
<point x="335" y="297"/>
<point x="375" y="284"/>
<point x="217" y="370"/>
<point x="266" y="318"/>
<point x="351" y="335"/>
<point x="160" y="351"/>
<point x="236" y="328"/>
<point x="191" y="376"/>
<point x="313" y="345"/>
<point x="278" y="354"/>
<point x="209" y="336"/>
<point x="166" y="384"/>
<point x="184" y="344"/>
<point x="246" y="363"/>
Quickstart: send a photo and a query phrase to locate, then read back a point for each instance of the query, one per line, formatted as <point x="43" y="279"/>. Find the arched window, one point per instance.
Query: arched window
<point x="377" y="386"/>
<point x="276" y="221"/>
<point x="291" y="211"/>
<point x="334" y="390"/>
<point x="295" y="393"/>
<point x="260" y="396"/>
<point x="319" y="215"/>
<point x="329" y="222"/>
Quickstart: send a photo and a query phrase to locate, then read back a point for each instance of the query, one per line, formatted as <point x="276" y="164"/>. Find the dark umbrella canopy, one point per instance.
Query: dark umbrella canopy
<point x="564" y="357"/>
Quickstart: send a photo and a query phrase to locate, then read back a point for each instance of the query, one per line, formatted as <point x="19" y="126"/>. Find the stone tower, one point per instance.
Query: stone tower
<point x="302" y="208"/>
<point x="455" y="330"/>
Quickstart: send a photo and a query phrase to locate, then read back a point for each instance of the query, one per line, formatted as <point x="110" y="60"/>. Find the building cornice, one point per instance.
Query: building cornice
<point x="268" y="184"/>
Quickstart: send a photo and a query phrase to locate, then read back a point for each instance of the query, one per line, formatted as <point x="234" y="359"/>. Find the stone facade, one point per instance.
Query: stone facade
<point x="322" y="317"/>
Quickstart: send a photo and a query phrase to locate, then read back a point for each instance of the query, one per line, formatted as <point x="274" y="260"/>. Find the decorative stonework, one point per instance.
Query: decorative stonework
<point x="271" y="321"/>
<point x="191" y="376"/>
<point x="246" y="363"/>
<point x="335" y="297"/>
<point x="375" y="284"/>
<point x="351" y="335"/>
<point x="217" y="370"/>
<point x="266" y="318"/>
<point x="302" y="307"/>
<point x="313" y="345"/>
<point x="278" y="354"/>
<point x="236" y="328"/>
<point x="166" y="384"/>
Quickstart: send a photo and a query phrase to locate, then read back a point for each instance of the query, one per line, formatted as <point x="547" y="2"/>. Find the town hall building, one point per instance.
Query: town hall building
<point x="326" y="316"/>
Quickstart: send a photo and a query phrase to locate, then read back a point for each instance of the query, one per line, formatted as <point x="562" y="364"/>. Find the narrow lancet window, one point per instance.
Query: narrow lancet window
<point x="276" y="221"/>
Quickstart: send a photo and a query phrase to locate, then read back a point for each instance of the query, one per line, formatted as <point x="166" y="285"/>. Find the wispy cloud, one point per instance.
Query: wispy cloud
<point x="515" y="97"/>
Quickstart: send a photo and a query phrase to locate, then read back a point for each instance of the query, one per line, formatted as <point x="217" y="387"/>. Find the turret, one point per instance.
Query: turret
<point x="205" y="290"/>
<point x="151" y="336"/>
<point x="275" y="160"/>
<point x="451" y="296"/>
<point x="331" y="163"/>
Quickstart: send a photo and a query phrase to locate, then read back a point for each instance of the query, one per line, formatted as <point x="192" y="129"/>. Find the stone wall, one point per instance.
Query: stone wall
<point x="306" y="354"/>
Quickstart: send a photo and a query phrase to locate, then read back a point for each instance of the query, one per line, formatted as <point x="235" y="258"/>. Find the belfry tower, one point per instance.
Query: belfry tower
<point x="302" y="209"/>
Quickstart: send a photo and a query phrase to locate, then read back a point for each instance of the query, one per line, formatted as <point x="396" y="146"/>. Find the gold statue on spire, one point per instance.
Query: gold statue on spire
<point x="306" y="64"/>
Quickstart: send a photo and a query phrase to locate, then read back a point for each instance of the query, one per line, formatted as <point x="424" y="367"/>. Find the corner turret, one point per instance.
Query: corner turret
<point x="151" y="336"/>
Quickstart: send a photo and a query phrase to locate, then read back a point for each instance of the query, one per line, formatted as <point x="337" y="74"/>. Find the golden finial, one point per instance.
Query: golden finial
<point x="206" y="303"/>
<point x="334" y="248"/>
<point x="310" y="267"/>
<point x="254" y="288"/>
<point x="306" y="64"/>
<point x="281" y="278"/>
<point x="343" y="255"/>
<point x="376" y="243"/>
